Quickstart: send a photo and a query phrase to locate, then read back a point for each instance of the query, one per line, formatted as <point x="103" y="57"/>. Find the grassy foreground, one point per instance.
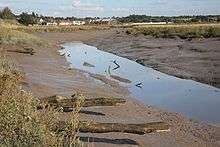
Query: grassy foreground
<point x="182" y="31"/>
<point x="20" y="122"/>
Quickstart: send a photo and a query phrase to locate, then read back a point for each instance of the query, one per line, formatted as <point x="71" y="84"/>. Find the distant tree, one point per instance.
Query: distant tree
<point x="6" y="13"/>
<point x="35" y="15"/>
<point x="27" y="19"/>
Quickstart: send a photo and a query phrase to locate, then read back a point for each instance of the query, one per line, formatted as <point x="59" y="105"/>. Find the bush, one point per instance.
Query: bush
<point x="19" y="125"/>
<point x="6" y="14"/>
<point x="27" y="19"/>
<point x="20" y="122"/>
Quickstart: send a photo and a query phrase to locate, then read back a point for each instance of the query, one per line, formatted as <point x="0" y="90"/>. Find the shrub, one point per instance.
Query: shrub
<point x="27" y="19"/>
<point x="19" y="125"/>
<point x="6" y="14"/>
<point x="20" y="122"/>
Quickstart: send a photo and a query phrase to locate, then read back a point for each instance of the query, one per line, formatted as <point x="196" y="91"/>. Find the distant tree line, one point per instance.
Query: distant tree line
<point x="175" y="19"/>
<point x="33" y="18"/>
<point x="28" y="19"/>
<point x="23" y="18"/>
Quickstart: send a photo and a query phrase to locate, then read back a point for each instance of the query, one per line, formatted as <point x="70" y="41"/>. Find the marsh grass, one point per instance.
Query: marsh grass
<point x="14" y="25"/>
<point x="15" y="33"/>
<point x="61" y="29"/>
<point x="182" y="31"/>
<point x="10" y="36"/>
<point x="9" y="23"/>
<point x="20" y="122"/>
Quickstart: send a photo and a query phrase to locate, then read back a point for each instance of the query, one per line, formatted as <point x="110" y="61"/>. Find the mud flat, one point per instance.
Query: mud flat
<point x="197" y="59"/>
<point x="47" y="73"/>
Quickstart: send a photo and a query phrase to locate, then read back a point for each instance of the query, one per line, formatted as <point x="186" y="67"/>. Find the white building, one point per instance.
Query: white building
<point x="65" y="23"/>
<point x="103" y="21"/>
<point x="41" y="20"/>
<point x="151" y="23"/>
<point x="51" y="24"/>
<point x="78" y="23"/>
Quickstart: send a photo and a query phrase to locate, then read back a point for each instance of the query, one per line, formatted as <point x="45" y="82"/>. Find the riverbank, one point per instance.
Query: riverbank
<point x="47" y="73"/>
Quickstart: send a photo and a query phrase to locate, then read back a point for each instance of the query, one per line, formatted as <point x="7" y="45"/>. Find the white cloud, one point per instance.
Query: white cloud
<point x="77" y="4"/>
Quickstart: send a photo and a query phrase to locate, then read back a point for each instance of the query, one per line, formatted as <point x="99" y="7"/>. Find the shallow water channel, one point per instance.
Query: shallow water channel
<point x="190" y="98"/>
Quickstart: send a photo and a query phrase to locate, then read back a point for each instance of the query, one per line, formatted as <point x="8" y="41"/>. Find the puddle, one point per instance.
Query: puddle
<point x="190" y="98"/>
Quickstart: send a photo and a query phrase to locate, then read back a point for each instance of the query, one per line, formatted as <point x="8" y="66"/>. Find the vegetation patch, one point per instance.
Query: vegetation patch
<point x="61" y="29"/>
<point x="11" y="36"/>
<point x="20" y="122"/>
<point x="182" y="31"/>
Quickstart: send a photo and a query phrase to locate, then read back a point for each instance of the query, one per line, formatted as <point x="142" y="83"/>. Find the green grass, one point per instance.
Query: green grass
<point x="182" y="31"/>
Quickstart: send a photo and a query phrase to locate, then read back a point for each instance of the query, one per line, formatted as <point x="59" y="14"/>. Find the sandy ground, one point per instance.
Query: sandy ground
<point x="47" y="73"/>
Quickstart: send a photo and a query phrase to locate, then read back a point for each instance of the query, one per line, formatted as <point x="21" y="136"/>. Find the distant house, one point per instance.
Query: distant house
<point x="41" y="21"/>
<point x="103" y="21"/>
<point x="78" y="23"/>
<point x="51" y="23"/>
<point x="107" y="20"/>
<point x="65" y="23"/>
<point x="151" y="23"/>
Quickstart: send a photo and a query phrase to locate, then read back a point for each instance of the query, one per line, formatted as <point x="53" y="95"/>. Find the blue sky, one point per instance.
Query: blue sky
<point x="82" y="8"/>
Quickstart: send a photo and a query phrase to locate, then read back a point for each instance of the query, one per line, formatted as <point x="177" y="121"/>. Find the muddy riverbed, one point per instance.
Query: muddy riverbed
<point x="187" y="97"/>
<point x="197" y="59"/>
<point x="48" y="73"/>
